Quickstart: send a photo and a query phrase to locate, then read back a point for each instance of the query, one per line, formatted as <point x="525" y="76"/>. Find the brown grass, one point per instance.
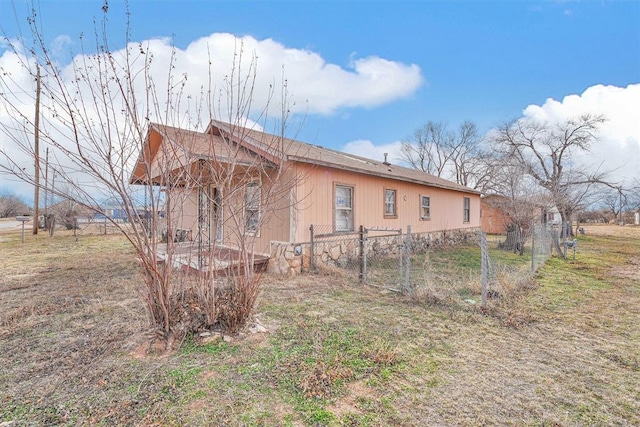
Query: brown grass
<point x="564" y="351"/>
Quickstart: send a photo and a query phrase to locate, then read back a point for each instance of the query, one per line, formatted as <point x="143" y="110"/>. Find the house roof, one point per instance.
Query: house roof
<point x="298" y="151"/>
<point x="185" y="146"/>
<point x="250" y="143"/>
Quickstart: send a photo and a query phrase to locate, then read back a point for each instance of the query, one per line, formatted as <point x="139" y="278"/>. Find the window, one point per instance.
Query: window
<point x="252" y="207"/>
<point x="343" y="208"/>
<point x="425" y="207"/>
<point x="390" y="203"/>
<point x="467" y="209"/>
<point x="217" y="213"/>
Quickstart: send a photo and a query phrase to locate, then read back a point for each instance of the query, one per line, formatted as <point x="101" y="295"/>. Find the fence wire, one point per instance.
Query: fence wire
<point x="444" y="266"/>
<point x="335" y="251"/>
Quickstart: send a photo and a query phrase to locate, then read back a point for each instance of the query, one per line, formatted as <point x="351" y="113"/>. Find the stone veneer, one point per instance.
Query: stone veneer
<point x="334" y="252"/>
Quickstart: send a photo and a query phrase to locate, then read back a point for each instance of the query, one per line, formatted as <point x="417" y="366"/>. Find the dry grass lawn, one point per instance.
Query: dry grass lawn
<point x="564" y="352"/>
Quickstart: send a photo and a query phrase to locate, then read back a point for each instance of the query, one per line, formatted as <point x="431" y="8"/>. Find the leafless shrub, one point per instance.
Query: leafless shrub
<point x="99" y="122"/>
<point x="509" y="301"/>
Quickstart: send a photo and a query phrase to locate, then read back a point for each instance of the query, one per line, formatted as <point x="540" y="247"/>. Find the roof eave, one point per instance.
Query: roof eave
<point x="381" y="174"/>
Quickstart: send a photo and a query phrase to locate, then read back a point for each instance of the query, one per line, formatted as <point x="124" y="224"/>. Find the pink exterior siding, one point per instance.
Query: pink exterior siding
<point x="288" y="220"/>
<point x="316" y="202"/>
<point x="275" y="216"/>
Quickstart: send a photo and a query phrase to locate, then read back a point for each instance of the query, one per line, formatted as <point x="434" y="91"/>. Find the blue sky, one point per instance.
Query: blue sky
<point x="484" y="61"/>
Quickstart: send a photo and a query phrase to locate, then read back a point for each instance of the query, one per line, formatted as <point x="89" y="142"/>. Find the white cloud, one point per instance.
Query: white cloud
<point x="617" y="148"/>
<point x="314" y="86"/>
<point x="60" y="46"/>
<point x="618" y="145"/>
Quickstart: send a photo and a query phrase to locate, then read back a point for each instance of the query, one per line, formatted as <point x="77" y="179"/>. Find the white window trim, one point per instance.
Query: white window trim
<point x="258" y="208"/>
<point x="336" y="208"/>
<point x="422" y="217"/>
<point x="466" y="210"/>
<point x="394" y="214"/>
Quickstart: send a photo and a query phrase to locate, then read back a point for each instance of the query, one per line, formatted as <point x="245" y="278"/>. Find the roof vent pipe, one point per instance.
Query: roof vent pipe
<point x="385" y="160"/>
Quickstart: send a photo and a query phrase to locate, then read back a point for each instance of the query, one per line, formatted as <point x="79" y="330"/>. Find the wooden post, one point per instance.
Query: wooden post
<point x="46" y="189"/>
<point x="36" y="141"/>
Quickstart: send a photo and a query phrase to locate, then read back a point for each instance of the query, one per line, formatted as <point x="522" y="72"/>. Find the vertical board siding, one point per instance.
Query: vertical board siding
<point x="316" y="193"/>
<point x="275" y="213"/>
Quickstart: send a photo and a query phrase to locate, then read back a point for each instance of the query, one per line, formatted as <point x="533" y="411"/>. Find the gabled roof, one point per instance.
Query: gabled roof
<point x="223" y="140"/>
<point x="297" y="151"/>
<point x="185" y="147"/>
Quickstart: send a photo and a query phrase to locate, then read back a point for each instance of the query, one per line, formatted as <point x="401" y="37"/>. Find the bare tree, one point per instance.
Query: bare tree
<point x="633" y="195"/>
<point x="12" y="205"/>
<point x="107" y="120"/>
<point x="466" y="154"/>
<point x="457" y="155"/>
<point x="544" y="151"/>
<point x="614" y="200"/>
<point x="519" y="200"/>
<point x="430" y="148"/>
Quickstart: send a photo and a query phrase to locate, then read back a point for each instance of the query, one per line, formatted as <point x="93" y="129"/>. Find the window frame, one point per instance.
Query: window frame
<point x="394" y="214"/>
<point x="253" y="230"/>
<point x="422" y="206"/>
<point x="466" y="210"/>
<point x="336" y="209"/>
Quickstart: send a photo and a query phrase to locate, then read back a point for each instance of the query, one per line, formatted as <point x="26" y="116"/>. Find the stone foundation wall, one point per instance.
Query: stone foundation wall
<point x="292" y="259"/>
<point x="288" y="258"/>
<point x="421" y="242"/>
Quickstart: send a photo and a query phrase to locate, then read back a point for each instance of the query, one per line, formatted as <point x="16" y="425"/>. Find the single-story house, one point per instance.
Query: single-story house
<point x="499" y="213"/>
<point x="230" y="181"/>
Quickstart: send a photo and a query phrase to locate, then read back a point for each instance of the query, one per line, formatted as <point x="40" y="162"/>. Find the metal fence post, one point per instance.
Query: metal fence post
<point x="533" y="248"/>
<point x="483" y="251"/>
<point x="363" y="255"/>
<point x="407" y="264"/>
<point x="312" y="263"/>
<point x="400" y="252"/>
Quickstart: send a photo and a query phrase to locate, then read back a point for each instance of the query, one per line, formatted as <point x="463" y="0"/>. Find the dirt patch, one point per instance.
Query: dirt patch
<point x="630" y="270"/>
<point x="349" y="403"/>
<point x="630" y="231"/>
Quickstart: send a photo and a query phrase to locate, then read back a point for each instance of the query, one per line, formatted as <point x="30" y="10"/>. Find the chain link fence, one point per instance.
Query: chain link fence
<point x="331" y="251"/>
<point x="462" y="266"/>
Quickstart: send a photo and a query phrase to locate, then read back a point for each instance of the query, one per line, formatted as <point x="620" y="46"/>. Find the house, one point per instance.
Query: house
<point x="230" y="182"/>
<point x="499" y="213"/>
<point x="114" y="212"/>
<point x="494" y="218"/>
<point x="553" y="216"/>
<point x="69" y="213"/>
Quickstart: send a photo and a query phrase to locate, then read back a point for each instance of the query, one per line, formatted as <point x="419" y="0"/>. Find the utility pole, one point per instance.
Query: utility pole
<point x="46" y="189"/>
<point x="36" y="137"/>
